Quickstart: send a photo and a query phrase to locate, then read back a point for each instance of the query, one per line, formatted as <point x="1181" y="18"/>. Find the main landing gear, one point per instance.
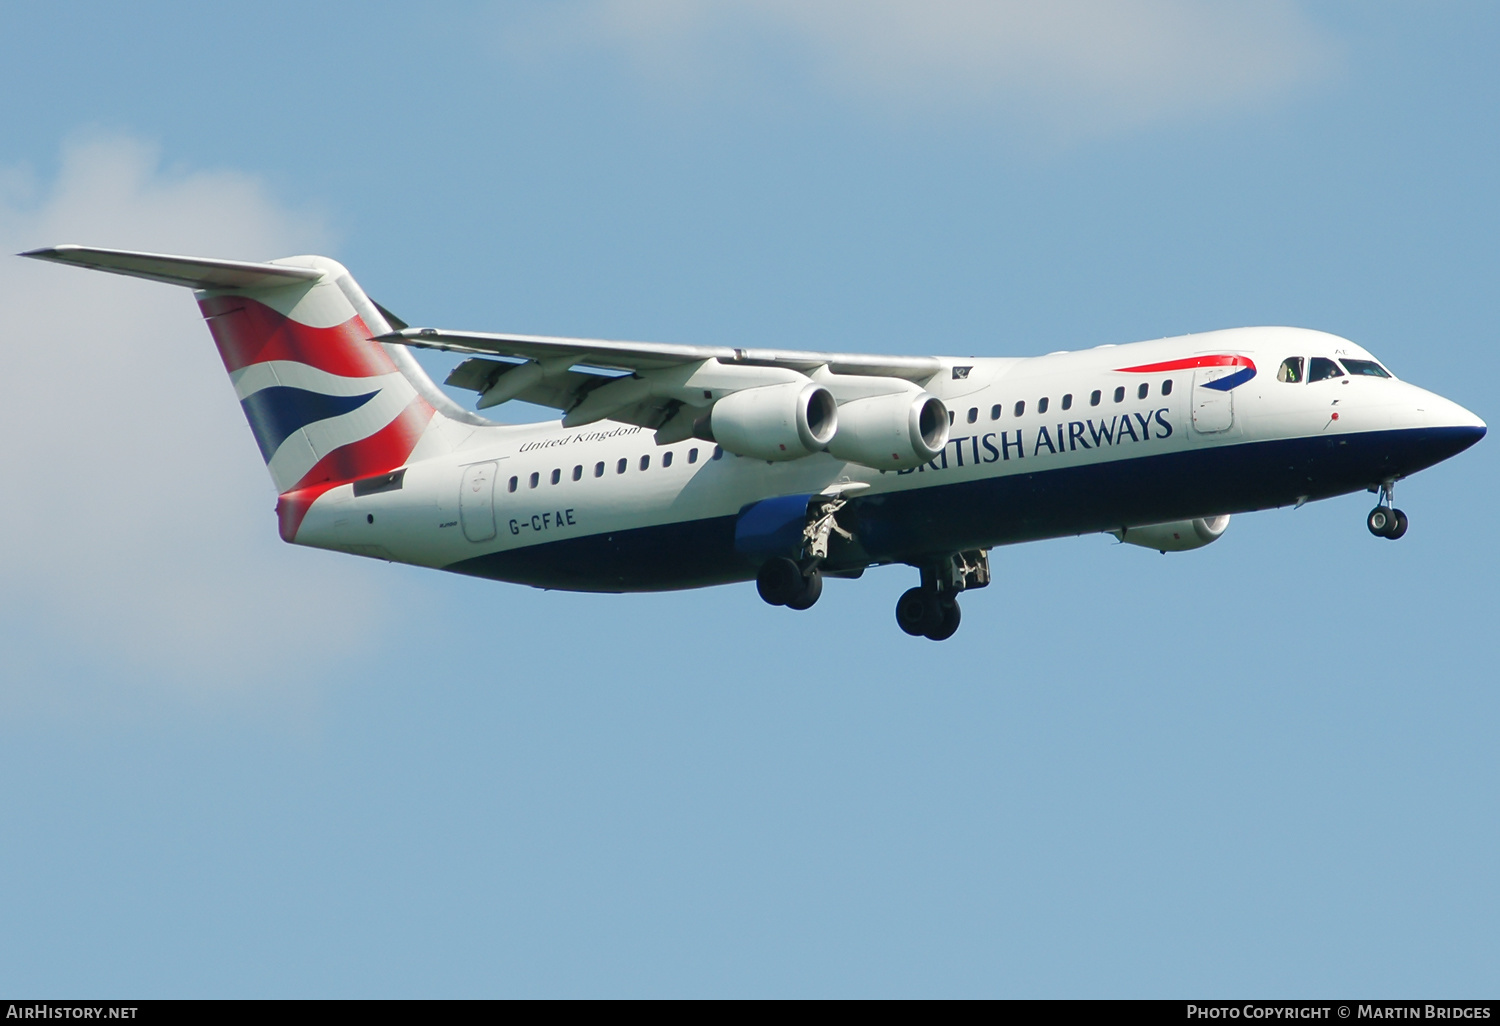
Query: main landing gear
<point x="797" y="585"/>
<point x="785" y="582"/>
<point x="930" y="610"/>
<point x="1385" y="521"/>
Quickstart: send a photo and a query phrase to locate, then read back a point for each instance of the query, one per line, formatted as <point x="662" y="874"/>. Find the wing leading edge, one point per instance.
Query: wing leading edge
<point x="637" y="356"/>
<point x="655" y="385"/>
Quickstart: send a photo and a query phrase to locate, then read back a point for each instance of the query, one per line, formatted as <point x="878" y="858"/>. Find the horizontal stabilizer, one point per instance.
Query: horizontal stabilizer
<point x="194" y="272"/>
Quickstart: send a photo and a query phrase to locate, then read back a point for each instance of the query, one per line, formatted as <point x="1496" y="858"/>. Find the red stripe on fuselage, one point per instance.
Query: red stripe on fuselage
<point x="247" y="331"/>
<point x="381" y="452"/>
<point x="1221" y="360"/>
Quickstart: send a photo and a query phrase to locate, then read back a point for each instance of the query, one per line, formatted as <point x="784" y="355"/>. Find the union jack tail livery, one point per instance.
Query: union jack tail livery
<point x="326" y="404"/>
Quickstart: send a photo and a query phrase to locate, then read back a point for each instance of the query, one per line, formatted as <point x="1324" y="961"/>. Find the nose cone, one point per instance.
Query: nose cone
<point x="1446" y="413"/>
<point x="1461" y="436"/>
<point x="1449" y="429"/>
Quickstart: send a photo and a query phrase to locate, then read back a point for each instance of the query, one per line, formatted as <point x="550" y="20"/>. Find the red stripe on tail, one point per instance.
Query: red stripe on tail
<point x="381" y="452"/>
<point x="247" y="331"/>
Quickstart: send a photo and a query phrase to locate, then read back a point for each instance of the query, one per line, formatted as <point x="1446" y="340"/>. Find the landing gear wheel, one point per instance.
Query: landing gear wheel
<point x="1398" y="528"/>
<point x="1381" y="521"/>
<point x="779" y="581"/>
<point x="812" y="587"/>
<point x="951" y="617"/>
<point x="918" y="612"/>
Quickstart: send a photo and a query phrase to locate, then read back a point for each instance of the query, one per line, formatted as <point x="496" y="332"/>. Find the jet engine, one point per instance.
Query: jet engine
<point x="776" y="422"/>
<point x="1177" y="536"/>
<point x="891" y="432"/>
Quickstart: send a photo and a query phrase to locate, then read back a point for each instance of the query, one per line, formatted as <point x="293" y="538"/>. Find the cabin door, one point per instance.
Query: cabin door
<point x="476" y="501"/>
<point x="1213" y="408"/>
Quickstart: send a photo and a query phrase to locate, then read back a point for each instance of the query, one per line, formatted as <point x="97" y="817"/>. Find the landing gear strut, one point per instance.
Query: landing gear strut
<point x="930" y="610"/>
<point x="797" y="585"/>
<point x="1385" y="521"/>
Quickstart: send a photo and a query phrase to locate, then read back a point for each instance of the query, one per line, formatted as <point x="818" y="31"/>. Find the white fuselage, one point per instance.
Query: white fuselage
<point x="1016" y="423"/>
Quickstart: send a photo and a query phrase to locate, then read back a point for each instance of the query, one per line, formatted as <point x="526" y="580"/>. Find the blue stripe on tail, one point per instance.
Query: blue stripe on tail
<point x="280" y="411"/>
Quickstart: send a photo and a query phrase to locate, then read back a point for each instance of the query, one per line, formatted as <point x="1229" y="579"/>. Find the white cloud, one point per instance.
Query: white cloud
<point x="1067" y="65"/>
<point x="137" y="529"/>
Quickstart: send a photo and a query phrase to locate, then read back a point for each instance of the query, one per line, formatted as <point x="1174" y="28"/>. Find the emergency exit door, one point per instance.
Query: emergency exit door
<point x="1213" y="408"/>
<point x="476" y="501"/>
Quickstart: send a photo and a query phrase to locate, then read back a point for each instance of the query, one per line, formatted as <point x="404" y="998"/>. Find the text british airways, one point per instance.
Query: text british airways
<point x="1065" y="436"/>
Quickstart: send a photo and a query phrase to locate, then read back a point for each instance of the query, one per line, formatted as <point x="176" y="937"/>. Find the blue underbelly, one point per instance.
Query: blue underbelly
<point x="986" y="512"/>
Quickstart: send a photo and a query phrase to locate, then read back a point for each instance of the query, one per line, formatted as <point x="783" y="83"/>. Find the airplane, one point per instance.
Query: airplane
<point x="683" y="466"/>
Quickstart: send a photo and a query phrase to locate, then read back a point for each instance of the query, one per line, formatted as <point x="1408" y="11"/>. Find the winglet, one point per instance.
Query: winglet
<point x="193" y="272"/>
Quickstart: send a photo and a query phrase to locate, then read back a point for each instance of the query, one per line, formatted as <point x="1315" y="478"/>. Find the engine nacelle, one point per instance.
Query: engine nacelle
<point x="1177" y="536"/>
<point x="891" y="432"/>
<point x="776" y="422"/>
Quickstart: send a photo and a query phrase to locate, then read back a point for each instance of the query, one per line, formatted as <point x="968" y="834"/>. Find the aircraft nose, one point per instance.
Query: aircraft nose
<point x="1470" y="422"/>
<point x="1466" y="435"/>
<point x="1451" y="428"/>
<point x="1447" y="413"/>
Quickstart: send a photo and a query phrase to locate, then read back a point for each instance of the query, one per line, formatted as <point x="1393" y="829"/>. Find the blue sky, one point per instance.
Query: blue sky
<point x="229" y="767"/>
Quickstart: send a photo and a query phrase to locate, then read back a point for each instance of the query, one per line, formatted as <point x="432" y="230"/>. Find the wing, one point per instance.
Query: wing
<point x="653" y="384"/>
<point x="638" y="356"/>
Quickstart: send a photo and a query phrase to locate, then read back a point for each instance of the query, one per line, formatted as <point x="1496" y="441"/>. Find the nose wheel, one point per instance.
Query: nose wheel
<point x="1385" y="520"/>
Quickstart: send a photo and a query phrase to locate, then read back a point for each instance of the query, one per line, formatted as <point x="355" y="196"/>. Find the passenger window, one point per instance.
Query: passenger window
<point x="1291" y="370"/>
<point x="1094" y="397"/>
<point x="1041" y="405"/>
<point x="645" y="462"/>
<point x="973" y="414"/>
<point x="1068" y="401"/>
<point x="995" y="412"/>
<point x="535" y="480"/>
<point x="1368" y="368"/>
<point x="599" y="469"/>
<point x="692" y="455"/>
<point x="666" y="459"/>
<point x="1166" y="387"/>
<point x="620" y="467"/>
<point x="556" y="476"/>
<point x="1020" y="407"/>
<point x="578" y="472"/>
<point x="1323" y="368"/>
<point x="1120" y="394"/>
<point x="1143" y="391"/>
<point x="950" y="418"/>
<point x="513" y="484"/>
<point x="718" y="452"/>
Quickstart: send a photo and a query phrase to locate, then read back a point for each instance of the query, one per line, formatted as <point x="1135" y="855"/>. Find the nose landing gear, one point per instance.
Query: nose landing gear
<point x="930" y="610"/>
<point x="1385" y="521"/>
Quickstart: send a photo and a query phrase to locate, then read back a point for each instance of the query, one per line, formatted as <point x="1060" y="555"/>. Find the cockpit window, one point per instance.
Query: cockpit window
<point x="1367" y="368"/>
<point x="1322" y="367"/>
<point x="1291" y="370"/>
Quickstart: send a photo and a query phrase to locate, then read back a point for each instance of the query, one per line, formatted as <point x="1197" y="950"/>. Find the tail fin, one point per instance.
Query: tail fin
<point x="326" y="403"/>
